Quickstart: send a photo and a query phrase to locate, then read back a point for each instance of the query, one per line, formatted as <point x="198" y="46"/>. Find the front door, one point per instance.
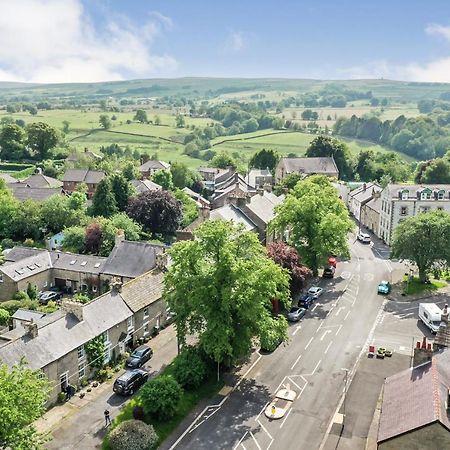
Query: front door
<point x="64" y="381"/>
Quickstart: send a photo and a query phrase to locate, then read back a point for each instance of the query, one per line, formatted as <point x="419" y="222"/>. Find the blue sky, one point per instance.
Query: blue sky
<point x="93" y="40"/>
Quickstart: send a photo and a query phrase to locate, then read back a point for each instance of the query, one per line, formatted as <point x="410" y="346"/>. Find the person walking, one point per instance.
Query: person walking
<point x="107" y="418"/>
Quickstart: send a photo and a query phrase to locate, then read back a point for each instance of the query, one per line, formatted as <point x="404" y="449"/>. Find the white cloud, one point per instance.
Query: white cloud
<point x="235" y="41"/>
<point x="438" y="30"/>
<point x="55" y="41"/>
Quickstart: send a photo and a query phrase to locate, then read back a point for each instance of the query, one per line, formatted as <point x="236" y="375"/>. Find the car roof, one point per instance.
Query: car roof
<point x="129" y="373"/>
<point x="140" y="348"/>
<point x="315" y="288"/>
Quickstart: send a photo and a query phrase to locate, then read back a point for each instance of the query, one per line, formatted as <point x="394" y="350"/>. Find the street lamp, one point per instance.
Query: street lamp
<point x="345" y="395"/>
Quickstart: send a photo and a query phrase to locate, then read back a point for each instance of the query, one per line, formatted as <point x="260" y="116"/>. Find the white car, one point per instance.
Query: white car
<point x="315" y="292"/>
<point x="363" y="237"/>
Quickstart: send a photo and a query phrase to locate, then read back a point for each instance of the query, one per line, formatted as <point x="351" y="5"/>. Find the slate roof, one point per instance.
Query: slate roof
<point x="78" y="263"/>
<point x="131" y="259"/>
<point x="394" y="190"/>
<point x="374" y="204"/>
<point x="84" y="175"/>
<point x="313" y="165"/>
<point x="60" y="333"/>
<point x="233" y="213"/>
<point x="27" y="315"/>
<point x="154" y="165"/>
<point x="415" y="397"/>
<point x="19" y="252"/>
<point x="255" y="173"/>
<point x="364" y="192"/>
<point x="145" y="185"/>
<point x="263" y="206"/>
<point x="24" y="268"/>
<point x="143" y="290"/>
<point x="24" y="192"/>
<point x="7" y="178"/>
<point x="41" y="181"/>
<point x="197" y="197"/>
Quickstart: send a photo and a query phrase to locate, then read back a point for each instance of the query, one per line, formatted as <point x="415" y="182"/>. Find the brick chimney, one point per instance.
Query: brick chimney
<point x="75" y="308"/>
<point x="422" y="353"/>
<point x="31" y="329"/>
<point x="116" y="285"/>
<point x="161" y="261"/>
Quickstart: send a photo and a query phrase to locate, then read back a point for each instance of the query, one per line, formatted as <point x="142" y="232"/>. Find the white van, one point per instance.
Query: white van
<point x="363" y="237"/>
<point x="430" y="314"/>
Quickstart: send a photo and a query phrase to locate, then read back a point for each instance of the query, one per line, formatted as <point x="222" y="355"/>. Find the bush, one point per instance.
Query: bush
<point x="189" y="368"/>
<point x="21" y="295"/>
<point x="102" y="375"/>
<point x="160" y="397"/>
<point x="133" y="435"/>
<point x="4" y="316"/>
<point x="13" y="305"/>
<point x="138" y="413"/>
<point x="62" y="397"/>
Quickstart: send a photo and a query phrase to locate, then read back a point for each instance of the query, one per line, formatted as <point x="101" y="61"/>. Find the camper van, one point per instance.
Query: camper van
<point x="430" y="314"/>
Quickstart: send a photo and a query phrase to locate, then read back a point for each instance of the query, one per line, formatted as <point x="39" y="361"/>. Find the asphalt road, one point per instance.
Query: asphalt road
<point x="330" y="338"/>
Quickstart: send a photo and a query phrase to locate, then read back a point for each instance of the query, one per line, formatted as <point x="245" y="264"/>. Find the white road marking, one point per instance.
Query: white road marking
<point x="339" y="310"/>
<point x="324" y="334"/>
<point x="262" y="410"/>
<point x="296" y="329"/>
<point x="247" y="372"/>
<point x="256" y="442"/>
<point x="240" y="440"/>
<point x="339" y="329"/>
<point x="315" y="306"/>
<point x="329" y="345"/>
<point x="315" y="368"/>
<point x="348" y="312"/>
<point x="309" y="343"/>
<point x="284" y="420"/>
<point x="296" y="361"/>
<point x="318" y="329"/>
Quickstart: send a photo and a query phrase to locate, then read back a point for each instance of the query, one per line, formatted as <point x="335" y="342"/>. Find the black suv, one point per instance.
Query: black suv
<point x="305" y="302"/>
<point x="328" y="272"/>
<point x="140" y="356"/>
<point x="130" y="381"/>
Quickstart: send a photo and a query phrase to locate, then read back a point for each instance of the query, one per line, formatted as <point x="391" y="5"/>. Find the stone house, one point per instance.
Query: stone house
<point x="231" y="189"/>
<point x="370" y="214"/>
<point x="74" y="177"/>
<point x="360" y="196"/>
<point x="306" y="166"/>
<point x="145" y="186"/>
<point x="259" y="178"/>
<point x="38" y="180"/>
<point x="148" y="168"/>
<point x="22" y="192"/>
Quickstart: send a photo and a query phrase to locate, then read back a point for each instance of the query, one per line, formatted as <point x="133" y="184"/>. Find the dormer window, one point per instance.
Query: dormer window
<point x="440" y="195"/>
<point x="404" y="195"/>
<point x="425" y="194"/>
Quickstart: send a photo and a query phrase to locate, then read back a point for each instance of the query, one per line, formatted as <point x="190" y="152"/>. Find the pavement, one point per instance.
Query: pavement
<point x="79" y="423"/>
<point x="331" y="338"/>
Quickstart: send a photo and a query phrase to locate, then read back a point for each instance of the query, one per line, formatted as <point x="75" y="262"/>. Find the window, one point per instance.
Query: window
<point x="440" y="195"/>
<point x="106" y="337"/>
<point x="440" y="208"/>
<point x="81" y="352"/>
<point x="424" y="209"/>
<point x="403" y="211"/>
<point x="1" y="278"/>
<point x="94" y="288"/>
<point x="45" y="284"/>
<point x="145" y="313"/>
<point x="130" y="324"/>
<point x="41" y="375"/>
<point x="425" y="195"/>
<point x="146" y="330"/>
<point x="404" y="195"/>
<point x="81" y="370"/>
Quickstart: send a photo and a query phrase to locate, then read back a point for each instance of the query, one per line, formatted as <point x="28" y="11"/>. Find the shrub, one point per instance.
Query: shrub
<point x="133" y="435"/>
<point x="21" y="295"/>
<point x="62" y="397"/>
<point x="160" y="397"/>
<point x="101" y="375"/>
<point x="4" y="316"/>
<point x="189" y="368"/>
<point x="138" y="413"/>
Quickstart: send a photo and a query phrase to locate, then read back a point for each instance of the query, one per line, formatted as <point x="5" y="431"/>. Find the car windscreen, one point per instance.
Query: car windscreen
<point x="138" y="353"/>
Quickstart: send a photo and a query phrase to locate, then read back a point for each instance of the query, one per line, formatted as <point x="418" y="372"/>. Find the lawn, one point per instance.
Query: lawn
<point x="416" y="287"/>
<point x="189" y="401"/>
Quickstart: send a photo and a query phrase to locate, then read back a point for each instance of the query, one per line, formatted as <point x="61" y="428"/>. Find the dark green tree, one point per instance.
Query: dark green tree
<point x="105" y="121"/>
<point x="122" y="190"/>
<point x="41" y="138"/>
<point x="164" y="179"/>
<point x="104" y="202"/>
<point x="182" y="176"/>
<point x="141" y="116"/>
<point x="264" y="159"/>
<point x="180" y="121"/>
<point x="12" y="142"/>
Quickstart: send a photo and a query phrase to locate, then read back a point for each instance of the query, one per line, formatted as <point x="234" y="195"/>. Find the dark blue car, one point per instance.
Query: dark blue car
<point x="306" y="301"/>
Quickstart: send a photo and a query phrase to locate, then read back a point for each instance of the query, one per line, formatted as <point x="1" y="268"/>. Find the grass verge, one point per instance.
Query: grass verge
<point x="189" y="400"/>
<point x="416" y="287"/>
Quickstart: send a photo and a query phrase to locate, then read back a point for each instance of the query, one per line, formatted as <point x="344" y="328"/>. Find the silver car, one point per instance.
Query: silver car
<point x="296" y="313"/>
<point x="315" y="292"/>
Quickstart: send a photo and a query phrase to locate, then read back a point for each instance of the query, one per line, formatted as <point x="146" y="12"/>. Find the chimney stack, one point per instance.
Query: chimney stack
<point x="422" y="353"/>
<point x="120" y="237"/>
<point x="260" y="191"/>
<point x="116" y="285"/>
<point x="75" y="308"/>
<point x="161" y="261"/>
<point x="31" y="329"/>
<point x="204" y="212"/>
<point x="444" y="315"/>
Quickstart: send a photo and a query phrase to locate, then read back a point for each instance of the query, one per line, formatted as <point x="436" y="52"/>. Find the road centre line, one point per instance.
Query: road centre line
<point x="329" y="345"/>
<point x="339" y="310"/>
<point x="324" y="334"/>
<point x="296" y="329"/>
<point x="309" y="343"/>
<point x="315" y="306"/>
<point x="256" y="442"/>
<point x="315" y="368"/>
<point x="296" y="361"/>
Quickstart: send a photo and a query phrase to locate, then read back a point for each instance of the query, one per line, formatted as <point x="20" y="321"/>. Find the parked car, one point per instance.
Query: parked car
<point x="315" y="292"/>
<point x="130" y="381"/>
<point x="305" y="302"/>
<point x="328" y="272"/>
<point x="332" y="261"/>
<point x="139" y="357"/>
<point x="384" y="287"/>
<point x="296" y="313"/>
<point x="45" y="297"/>
<point x="363" y="237"/>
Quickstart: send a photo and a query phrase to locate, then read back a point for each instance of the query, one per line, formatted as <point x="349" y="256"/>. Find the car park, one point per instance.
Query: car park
<point x="47" y="296"/>
<point x="129" y="382"/>
<point x="384" y="287"/>
<point x="328" y="272"/>
<point x="305" y="302"/>
<point x="139" y="357"/>
<point x="315" y="292"/>
<point x="363" y="237"/>
<point x="296" y="313"/>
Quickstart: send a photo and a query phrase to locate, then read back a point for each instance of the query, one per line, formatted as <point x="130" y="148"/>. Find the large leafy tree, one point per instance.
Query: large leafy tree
<point x="27" y="221"/>
<point x="316" y="219"/>
<point x="182" y="176"/>
<point x="41" y="138"/>
<point x="157" y="211"/>
<point x="164" y="179"/>
<point x="59" y="212"/>
<point x="264" y="159"/>
<point x="9" y="208"/>
<point x="424" y="240"/>
<point x="122" y="190"/>
<point x="287" y="257"/>
<point x="221" y="285"/>
<point x="22" y="401"/>
<point x="141" y="116"/>
<point x="104" y="201"/>
<point x="12" y="142"/>
<point x="325" y="146"/>
<point x="436" y="171"/>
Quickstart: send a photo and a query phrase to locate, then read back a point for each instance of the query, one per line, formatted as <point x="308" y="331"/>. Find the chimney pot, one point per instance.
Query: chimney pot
<point x="424" y="342"/>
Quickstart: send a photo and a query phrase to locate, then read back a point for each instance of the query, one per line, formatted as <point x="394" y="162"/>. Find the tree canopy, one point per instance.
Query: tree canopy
<point x="221" y="285"/>
<point x="104" y="201"/>
<point x="141" y="116"/>
<point x="265" y="159"/>
<point x="41" y="137"/>
<point x="424" y="240"/>
<point x="317" y="221"/>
